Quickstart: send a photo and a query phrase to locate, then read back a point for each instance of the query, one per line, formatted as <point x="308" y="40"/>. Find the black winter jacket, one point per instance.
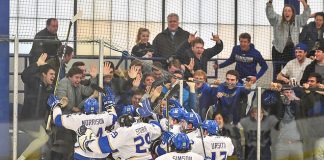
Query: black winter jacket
<point x="309" y="35"/>
<point x="36" y="94"/>
<point x="40" y="45"/>
<point x="165" y="46"/>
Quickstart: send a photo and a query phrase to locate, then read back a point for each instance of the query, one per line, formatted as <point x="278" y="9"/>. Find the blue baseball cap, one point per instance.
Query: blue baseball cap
<point x="301" y="46"/>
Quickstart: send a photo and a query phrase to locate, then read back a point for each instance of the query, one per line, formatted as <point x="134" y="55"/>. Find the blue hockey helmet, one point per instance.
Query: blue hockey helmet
<point x="193" y="118"/>
<point x="177" y="113"/>
<point x="181" y="142"/>
<point x="211" y="126"/>
<point x="91" y="106"/>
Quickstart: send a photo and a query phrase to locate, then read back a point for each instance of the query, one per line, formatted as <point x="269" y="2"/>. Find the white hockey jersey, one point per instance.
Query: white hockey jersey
<point x="217" y="147"/>
<point x="193" y="134"/>
<point x="180" y="156"/>
<point x="96" y="122"/>
<point x="128" y="142"/>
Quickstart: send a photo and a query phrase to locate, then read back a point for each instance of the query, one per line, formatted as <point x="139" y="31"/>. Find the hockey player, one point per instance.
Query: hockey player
<point x="90" y="119"/>
<point x="180" y="146"/>
<point x="177" y="115"/>
<point x="192" y="120"/>
<point x="131" y="141"/>
<point x="216" y="147"/>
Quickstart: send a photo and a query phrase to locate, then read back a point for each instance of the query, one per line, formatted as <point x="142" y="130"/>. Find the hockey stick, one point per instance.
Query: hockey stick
<point x="201" y="135"/>
<point x="167" y="96"/>
<point x="74" y="18"/>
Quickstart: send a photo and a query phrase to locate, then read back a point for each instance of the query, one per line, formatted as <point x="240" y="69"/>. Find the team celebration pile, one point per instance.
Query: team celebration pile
<point x="164" y="108"/>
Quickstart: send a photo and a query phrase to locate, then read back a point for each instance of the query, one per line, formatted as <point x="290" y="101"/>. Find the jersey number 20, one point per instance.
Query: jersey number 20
<point x="140" y="141"/>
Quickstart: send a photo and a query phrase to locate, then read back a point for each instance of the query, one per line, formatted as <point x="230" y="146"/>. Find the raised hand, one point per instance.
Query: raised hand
<point x="192" y="37"/>
<point x="149" y="55"/>
<point x="156" y="92"/>
<point x="137" y="80"/>
<point x="220" y="95"/>
<point x="275" y="86"/>
<point x="41" y="60"/>
<point x="248" y="84"/>
<point x="93" y="71"/>
<point x="107" y="70"/>
<point x="132" y="72"/>
<point x="191" y="64"/>
<point x="252" y="79"/>
<point x="215" y="38"/>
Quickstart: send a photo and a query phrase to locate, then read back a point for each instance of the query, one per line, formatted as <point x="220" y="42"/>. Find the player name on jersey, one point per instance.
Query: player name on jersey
<point x="141" y="130"/>
<point x="182" y="157"/>
<point x="218" y="145"/>
<point x="89" y="122"/>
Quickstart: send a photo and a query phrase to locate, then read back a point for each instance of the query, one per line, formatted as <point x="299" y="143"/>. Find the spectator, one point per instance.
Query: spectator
<point x="198" y="55"/>
<point x="127" y="82"/>
<point x="289" y="141"/>
<point x="82" y="66"/>
<point x="109" y="73"/>
<point x="286" y="30"/>
<point x="293" y="71"/>
<point x="312" y="105"/>
<point x="45" y="41"/>
<point x="143" y="48"/>
<point x="147" y="83"/>
<point x="173" y="66"/>
<point x="204" y="93"/>
<point x="71" y="88"/>
<point x="249" y="126"/>
<point x="313" y="31"/>
<point x="38" y="79"/>
<point x="134" y="99"/>
<point x="55" y="62"/>
<point x="246" y="58"/>
<point x="229" y="95"/>
<point x="228" y="130"/>
<point x="188" y="91"/>
<point x="168" y="41"/>
<point x="312" y="101"/>
<point x="110" y="80"/>
<point x="317" y="65"/>
<point x="158" y="74"/>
